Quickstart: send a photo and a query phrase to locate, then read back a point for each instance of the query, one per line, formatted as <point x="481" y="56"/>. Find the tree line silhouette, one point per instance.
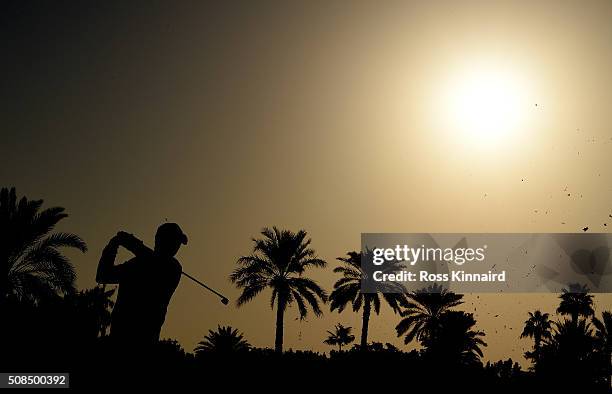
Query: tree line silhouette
<point x="47" y="325"/>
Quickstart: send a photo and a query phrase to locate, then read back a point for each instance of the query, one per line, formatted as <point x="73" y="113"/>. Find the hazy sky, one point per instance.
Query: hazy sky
<point x="328" y="116"/>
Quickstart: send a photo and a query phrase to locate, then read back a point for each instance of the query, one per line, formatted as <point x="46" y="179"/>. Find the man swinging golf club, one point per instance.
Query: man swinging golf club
<point x="146" y="284"/>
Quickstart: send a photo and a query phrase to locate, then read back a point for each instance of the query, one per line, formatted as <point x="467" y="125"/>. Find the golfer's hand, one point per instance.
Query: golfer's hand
<point x="122" y="238"/>
<point x="118" y="240"/>
<point x="113" y="244"/>
<point x="131" y="243"/>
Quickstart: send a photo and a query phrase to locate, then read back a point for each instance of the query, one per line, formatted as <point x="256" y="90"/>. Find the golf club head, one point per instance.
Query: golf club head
<point x="224" y="301"/>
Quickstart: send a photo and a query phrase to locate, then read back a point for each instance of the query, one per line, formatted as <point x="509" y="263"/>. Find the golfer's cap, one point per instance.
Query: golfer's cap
<point x="171" y="230"/>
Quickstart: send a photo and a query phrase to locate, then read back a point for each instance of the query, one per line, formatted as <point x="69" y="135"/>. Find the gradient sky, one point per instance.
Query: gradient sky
<point x="326" y="116"/>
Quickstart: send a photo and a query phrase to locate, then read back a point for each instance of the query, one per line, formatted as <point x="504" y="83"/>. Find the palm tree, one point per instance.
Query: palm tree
<point x="576" y="302"/>
<point x="537" y="327"/>
<point x="340" y="336"/>
<point x="31" y="265"/>
<point x="455" y="341"/>
<point x="279" y="261"/>
<point x="169" y="353"/>
<point x="423" y="311"/>
<point x="98" y="304"/>
<point x="224" y="341"/>
<point x="603" y="339"/>
<point x="568" y="355"/>
<point x="572" y="339"/>
<point x="348" y="289"/>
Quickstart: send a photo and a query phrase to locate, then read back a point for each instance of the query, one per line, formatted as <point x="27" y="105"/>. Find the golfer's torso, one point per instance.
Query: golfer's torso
<point x="145" y="288"/>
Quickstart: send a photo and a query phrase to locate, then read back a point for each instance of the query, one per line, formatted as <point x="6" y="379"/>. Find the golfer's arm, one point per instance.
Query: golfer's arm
<point x="108" y="273"/>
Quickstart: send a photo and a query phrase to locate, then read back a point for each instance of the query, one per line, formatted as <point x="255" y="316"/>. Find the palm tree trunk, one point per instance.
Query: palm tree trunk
<point x="280" y="315"/>
<point x="365" y="322"/>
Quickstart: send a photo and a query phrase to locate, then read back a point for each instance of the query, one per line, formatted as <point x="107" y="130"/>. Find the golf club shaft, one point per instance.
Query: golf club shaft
<point x="202" y="284"/>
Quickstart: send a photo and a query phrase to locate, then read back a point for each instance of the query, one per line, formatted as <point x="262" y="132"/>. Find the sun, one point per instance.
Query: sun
<point x="486" y="107"/>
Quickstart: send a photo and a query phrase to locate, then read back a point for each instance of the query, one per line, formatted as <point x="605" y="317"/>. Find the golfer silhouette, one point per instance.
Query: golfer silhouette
<point x="146" y="283"/>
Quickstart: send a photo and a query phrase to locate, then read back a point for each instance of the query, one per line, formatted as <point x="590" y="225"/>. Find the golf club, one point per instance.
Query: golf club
<point x="224" y="300"/>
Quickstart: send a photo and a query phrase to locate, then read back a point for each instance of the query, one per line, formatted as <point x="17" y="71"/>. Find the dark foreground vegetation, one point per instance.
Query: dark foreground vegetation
<point x="65" y="336"/>
<point x="46" y="325"/>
